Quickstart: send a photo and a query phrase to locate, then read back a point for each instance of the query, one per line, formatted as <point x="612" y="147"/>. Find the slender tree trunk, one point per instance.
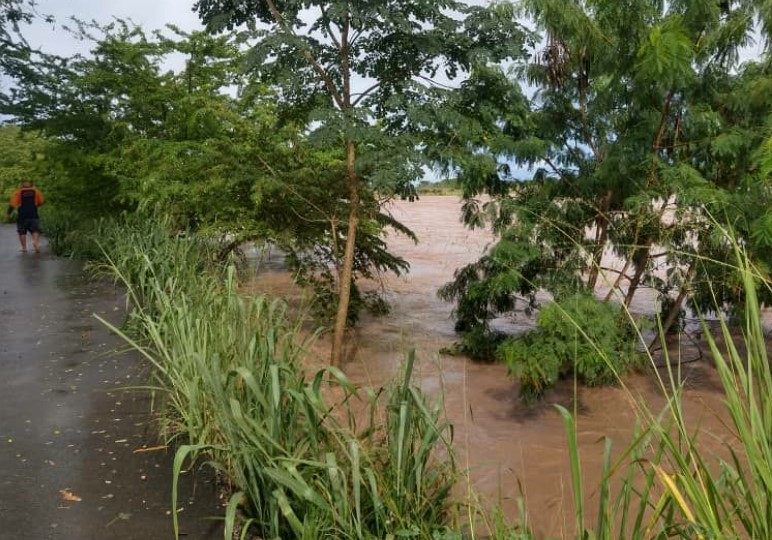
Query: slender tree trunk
<point x="347" y="272"/>
<point x="675" y="309"/>
<point x="342" y="98"/>
<point x="639" y="270"/>
<point x="651" y="180"/>
<point x="601" y="237"/>
<point x="618" y="280"/>
<point x="626" y="267"/>
<point x="645" y="262"/>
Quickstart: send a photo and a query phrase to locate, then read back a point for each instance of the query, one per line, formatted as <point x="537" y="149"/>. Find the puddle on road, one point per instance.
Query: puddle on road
<point x="511" y="450"/>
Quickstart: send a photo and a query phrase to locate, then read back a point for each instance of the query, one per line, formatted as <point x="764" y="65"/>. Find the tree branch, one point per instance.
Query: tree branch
<point x="328" y="28"/>
<point x="655" y="146"/>
<point x="366" y="93"/>
<point x="554" y="168"/>
<point x="435" y="83"/>
<point x="354" y="38"/>
<point x="308" y="56"/>
<point x="344" y="62"/>
<point x="583" y="77"/>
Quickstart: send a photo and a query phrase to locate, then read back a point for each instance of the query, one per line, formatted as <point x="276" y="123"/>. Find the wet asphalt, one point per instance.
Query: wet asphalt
<point x="79" y="456"/>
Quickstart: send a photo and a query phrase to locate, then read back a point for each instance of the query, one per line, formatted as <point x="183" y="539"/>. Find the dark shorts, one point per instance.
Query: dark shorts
<point x="23" y="226"/>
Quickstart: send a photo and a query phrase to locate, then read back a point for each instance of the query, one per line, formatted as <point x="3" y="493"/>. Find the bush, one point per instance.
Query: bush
<point x="580" y="335"/>
<point x="57" y="225"/>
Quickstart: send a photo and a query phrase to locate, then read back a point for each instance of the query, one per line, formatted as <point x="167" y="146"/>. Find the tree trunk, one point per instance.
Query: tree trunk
<point x="618" y="281"/>
<point x="675" y="309"/>
<point x="639" y="270"/>
<point x="347" y="271"/>
<point x="601" y="237"/>
<point x="642" y="267"/>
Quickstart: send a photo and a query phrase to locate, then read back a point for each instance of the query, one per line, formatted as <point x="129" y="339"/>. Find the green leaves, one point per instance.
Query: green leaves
<point x="666" y="55"/>
<point x="578" y="334"/>
<point x="761" y="230"/>
<point x="20" y="159"/>
<point x="640" y="125"/>
<point x="124" y="134"/>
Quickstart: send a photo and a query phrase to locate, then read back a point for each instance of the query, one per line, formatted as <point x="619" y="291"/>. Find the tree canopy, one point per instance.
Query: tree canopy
<point x="354" y="70"/>
<point x="645" y="138"/>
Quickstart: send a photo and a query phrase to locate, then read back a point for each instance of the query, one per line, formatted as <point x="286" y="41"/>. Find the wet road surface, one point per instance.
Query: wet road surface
<point x="74" y="463"/>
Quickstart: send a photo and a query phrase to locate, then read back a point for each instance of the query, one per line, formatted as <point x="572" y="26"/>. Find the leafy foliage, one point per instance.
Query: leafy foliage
<point x="360" y="75"/>
<point x="641" y="131"/>
<point x="14" y="15"/>
<point x="21" y="156"/>
<point x="577" y="335"/>
<point x="123" y="134"/>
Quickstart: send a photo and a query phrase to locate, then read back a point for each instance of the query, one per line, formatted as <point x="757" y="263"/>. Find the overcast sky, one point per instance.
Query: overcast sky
<point x="150" y="14"/>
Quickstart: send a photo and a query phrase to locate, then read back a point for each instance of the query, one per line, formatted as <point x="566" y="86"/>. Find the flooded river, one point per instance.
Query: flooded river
<point x="512" y="451"/>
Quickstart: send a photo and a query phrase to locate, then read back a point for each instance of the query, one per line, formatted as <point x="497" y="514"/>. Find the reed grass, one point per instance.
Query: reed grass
<point x="308" y="456"/>
<point x="669" y="486"/>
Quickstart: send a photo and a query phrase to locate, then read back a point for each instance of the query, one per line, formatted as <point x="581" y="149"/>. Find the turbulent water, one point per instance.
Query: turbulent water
<point x="511" y="451"/>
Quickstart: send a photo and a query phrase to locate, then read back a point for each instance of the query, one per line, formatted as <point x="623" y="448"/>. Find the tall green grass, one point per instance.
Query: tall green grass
<point x="664" y="484"/>
<point x="313" y="456"/>
<point x="308" y="456"/>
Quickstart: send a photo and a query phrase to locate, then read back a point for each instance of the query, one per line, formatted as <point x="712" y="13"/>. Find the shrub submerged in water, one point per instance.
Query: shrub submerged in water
<point x="580" y="335"/>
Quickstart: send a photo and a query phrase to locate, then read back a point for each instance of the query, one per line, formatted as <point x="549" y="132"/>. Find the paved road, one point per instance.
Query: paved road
<point x="67" y="427"/>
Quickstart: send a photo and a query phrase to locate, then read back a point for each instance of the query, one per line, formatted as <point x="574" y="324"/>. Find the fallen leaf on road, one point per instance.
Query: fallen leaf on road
<point x="151" y="449"/>
<point x="68" y="495"/>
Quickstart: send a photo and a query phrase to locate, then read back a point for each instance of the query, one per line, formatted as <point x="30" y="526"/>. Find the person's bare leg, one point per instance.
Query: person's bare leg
<point x="23" y="241"/>
<point x="36" y="241"/>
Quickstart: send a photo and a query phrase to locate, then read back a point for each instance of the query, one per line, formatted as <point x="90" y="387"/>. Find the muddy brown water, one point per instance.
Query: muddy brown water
<point x="511" y="451"/>
<point x="73" y="464"/>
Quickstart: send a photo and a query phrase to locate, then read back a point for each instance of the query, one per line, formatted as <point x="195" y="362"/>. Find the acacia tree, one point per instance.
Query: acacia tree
<point x="350" y="66"/>
<point x="638" y="127"/>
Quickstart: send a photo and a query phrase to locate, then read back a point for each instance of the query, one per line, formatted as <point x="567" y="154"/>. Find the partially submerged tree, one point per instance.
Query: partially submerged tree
<point x="640" y="126"/>
<point x="353" y="68"/>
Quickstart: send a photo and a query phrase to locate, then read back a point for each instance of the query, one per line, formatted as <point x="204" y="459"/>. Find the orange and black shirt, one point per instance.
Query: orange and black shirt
<point x="26" y="201"/>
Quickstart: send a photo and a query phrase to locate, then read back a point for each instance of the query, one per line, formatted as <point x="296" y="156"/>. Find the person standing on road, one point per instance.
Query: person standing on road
<point x="26" y="201"/>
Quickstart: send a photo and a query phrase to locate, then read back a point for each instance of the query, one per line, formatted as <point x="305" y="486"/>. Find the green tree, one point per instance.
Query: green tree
<point x="90" y="107"/>
<point x="126" y="134"/>
<point x="21" y="156"/>
<point x="354" y="69"/>
<point x="639" y="128"/>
